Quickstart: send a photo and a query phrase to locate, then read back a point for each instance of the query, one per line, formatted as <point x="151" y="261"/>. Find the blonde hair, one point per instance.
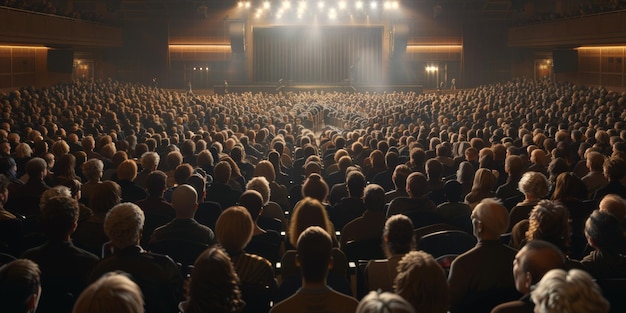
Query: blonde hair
<point x="234" y="228"/>
<point x="534" y="184"/>
<point x="265" y="169"/>
<point x="113" y="292"/>
<point x="573" y="291"/>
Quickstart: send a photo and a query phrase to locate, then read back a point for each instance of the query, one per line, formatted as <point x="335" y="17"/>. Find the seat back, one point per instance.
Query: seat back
<point x="614" y="290"/>
<point x="422" y="231"/>
<point x="446" y="242"/>
<point x="367" y="249"/>
<point x="257" y="298"/>
<point x="181" y="251"/>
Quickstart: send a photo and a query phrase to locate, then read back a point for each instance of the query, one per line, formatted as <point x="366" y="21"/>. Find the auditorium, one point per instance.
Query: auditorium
<point x="183" y="156"/>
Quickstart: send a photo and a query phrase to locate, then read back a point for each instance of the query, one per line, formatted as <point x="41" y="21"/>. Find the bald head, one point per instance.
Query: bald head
<point x="184" y="201"/>
<point x="490" y="219"/>
<point x="533" y="261"/>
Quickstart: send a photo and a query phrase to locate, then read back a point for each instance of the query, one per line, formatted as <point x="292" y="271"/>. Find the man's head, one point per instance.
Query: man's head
<point x="490" y="219"/>
<point x="20" y="286"/>
<point x="535" y="259"/>
<point x="59" y="217"/>
<point x="416" y="185"/>
<point x="124" y="224"/>
<point x="374" y="197"/>
<point x="185" y="201"/>
<point x="314" y="254"/>
<point x="253" y="202"/>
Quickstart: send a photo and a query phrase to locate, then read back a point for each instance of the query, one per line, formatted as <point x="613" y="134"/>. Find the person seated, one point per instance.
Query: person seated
<point x="24" y="198"/>
<point x="384" y="302"/>
<point x="20" y="286"/>
<point x="157" y="211"/>
<point x="454" y="211"/>
<point x="573" y="291"/>
<point x="514" y="169"/>
<point x="126" y="173"/>
<point x="220" y="191"/>
<point x="400" y="174"/>
<point x="535" y="187"/>
<point x="605" y="236"/>
<point x="398" y="240"/>
<point x="314" y="256"/>
<point x="351" y="207"/>
<point x="157" y="275"/>
<point x="421" y="210"/>
<point x="233" y="231"/>
<point x="113" y="292"/>
<point x="184" y="227"/>
<point x="208" y="211"/>
<point x="265" y="243"/>
<point x="615" y="171"/>
<point x="11" y="228"/>
<point x="488" y="266"/>
<point x="213" y="285"/>
<point x="422" y="282"/>
<point x="533" y="261"/>
<point x="64" y="267"/>
<point x="89" y="234"/>
<point x="595" y="179"/>
<point x="371" y="224"/>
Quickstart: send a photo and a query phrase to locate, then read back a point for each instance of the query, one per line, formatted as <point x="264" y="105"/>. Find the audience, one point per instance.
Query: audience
<point x="384" y="302"/>
<point x="506" y="128"/>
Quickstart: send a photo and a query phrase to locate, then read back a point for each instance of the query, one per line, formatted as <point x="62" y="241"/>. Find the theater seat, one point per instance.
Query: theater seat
<point x="446" y="242"/>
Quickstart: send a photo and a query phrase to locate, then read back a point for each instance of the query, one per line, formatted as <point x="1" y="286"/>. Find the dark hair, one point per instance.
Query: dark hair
<point x="58" y="216"/>
<point x="314" y="251"/>
<point x="214" y="285"/>
<point x="605" y="231"/>
<point x="18" y="281"/>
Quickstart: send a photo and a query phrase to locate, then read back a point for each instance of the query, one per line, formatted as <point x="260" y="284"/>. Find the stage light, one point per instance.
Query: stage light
<point x="320" y="5"/>
<point x="240" y="4"/>
<point x="387" y="5"/>
<point x="342" y="4"/>
<point x="286" y="4"/>
<point x="395" y="5"/>
<point x="332" y="14"/>
<point x="194" y="68"/>
<point x="266" y="5"/>
<point x="302" y="4"/>
<point x="359" y="4"/>
<point x="374" y="4"/>
<point x="248" y="4"/>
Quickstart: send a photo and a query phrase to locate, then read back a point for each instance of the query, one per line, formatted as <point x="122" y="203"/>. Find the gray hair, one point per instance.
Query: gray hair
<point x="123" y="224"/>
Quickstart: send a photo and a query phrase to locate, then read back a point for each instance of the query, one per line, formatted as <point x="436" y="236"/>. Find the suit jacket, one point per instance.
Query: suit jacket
<point x="157" y="276"/>
<point x="65" y="269"/>
<point x="487" y="266"/>
<point x="523" y="305"/>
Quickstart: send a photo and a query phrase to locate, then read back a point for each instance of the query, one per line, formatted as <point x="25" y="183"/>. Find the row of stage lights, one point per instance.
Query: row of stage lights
<point x="302" y="7"/>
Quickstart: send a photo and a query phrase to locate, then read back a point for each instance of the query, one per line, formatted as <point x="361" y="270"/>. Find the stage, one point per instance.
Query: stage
<point x="268" y="88"/>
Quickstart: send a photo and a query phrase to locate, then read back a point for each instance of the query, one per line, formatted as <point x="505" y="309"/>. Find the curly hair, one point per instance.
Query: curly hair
<point x="422" y="282"/>
<point x="549" y="221"/>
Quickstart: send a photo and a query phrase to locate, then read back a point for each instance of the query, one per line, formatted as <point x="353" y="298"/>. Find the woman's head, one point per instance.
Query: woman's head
<point x="308" y="212"/>
<point x="534" y="185"/>
<point x="422" y="282"/>
<point x="214" y="285"/>
<point x="398" y="235"/>
<point x="234" y="228"/>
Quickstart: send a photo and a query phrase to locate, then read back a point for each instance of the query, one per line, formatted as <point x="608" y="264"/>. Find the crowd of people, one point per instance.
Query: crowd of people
<point x="124" y="197"/>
